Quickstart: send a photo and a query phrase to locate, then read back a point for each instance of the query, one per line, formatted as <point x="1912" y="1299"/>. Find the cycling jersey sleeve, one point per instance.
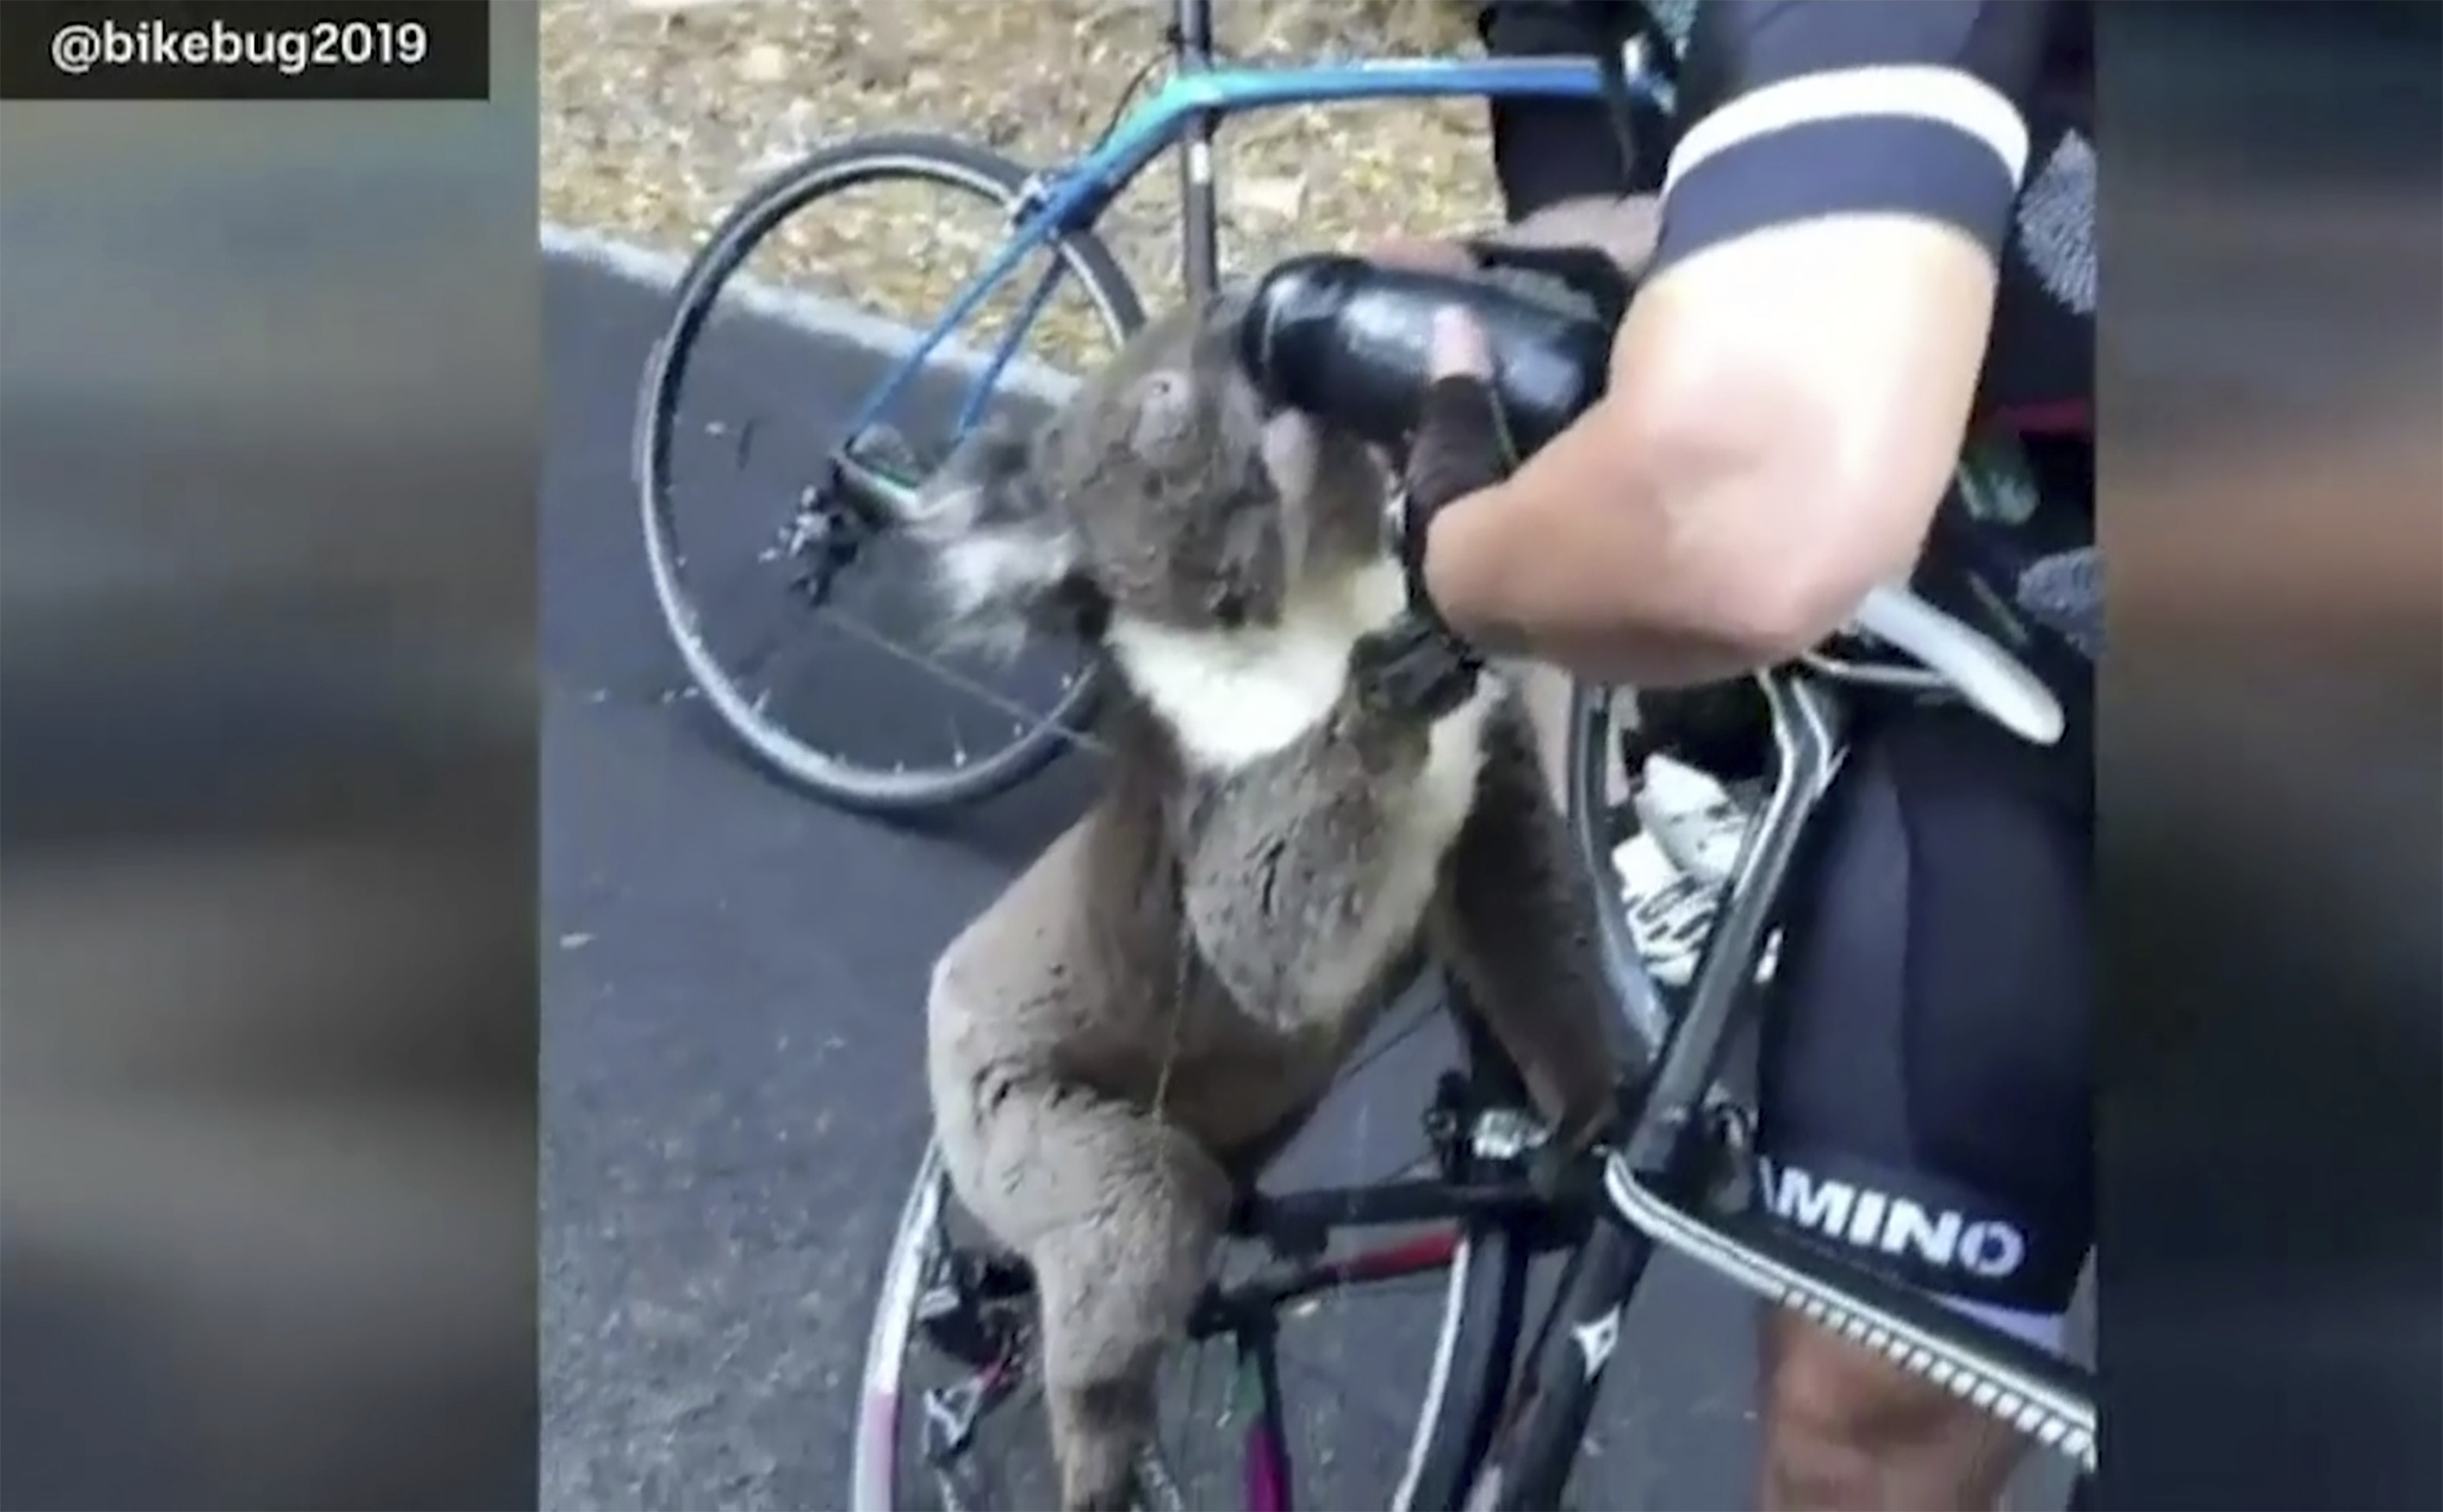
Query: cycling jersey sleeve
<point x="1796" y="109"/>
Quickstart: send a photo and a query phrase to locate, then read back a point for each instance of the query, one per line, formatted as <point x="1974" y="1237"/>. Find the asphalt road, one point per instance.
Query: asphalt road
<point x="732" y="996"/>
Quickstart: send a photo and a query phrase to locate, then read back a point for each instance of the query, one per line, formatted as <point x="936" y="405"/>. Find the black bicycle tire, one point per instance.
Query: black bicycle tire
<point x="1484" y="1323"/>
<point x="953" y="164"/>
<point x="1592" y="741"/>
<point x="1491" y="1312"/>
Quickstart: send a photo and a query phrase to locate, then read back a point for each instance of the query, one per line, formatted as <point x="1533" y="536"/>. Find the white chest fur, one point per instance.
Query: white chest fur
<point x="1454" y="759"/>
<point x="1413" y="848"/>
<point x="1232" y="699"/>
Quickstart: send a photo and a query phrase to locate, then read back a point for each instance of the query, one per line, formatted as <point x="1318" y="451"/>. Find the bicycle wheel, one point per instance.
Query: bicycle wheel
<point x="1663" y="857"/>
<point x="947" y="1385"/>
<point x="846" y="743"/>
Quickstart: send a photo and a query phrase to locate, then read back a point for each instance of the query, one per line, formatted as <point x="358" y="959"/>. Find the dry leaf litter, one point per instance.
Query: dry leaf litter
<point x="659" y="115"/>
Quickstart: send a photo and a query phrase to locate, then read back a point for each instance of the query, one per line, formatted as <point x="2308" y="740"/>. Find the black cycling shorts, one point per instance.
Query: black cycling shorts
<point x="1925" y="1055"/>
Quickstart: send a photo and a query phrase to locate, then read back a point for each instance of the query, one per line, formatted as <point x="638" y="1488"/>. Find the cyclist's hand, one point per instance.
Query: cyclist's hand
<point x="1589" y="250"/>
<point x="1586" y="273"/>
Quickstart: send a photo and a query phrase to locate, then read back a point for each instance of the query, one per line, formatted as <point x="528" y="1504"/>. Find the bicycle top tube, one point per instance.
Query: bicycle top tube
<point x="1156" y="125"/>
<point x="1072" y="195"/>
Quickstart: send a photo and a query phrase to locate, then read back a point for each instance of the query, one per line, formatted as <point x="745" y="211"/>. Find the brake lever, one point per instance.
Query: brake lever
<point x="1988" y="676"/>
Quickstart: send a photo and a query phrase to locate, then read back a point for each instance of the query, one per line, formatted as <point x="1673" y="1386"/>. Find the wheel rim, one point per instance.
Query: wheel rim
<point x="1042" y="734"/>
<point x="875" y="1455"/>
<point x="882" y="1456"/>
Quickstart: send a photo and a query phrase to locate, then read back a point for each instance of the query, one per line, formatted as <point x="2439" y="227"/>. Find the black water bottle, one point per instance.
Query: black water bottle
<point x="1351" y="342"/>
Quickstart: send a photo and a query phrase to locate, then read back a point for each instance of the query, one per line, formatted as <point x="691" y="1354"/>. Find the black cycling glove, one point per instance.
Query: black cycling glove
<point x="1460" y="448"/>
<point x="1462" y="443"/>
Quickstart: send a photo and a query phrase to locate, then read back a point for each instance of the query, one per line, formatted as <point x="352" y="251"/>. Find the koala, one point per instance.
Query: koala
<point x="1156" y="1005"/>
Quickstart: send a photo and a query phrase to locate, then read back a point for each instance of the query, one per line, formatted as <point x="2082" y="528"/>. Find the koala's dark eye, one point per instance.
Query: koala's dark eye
<point x="1088" y="609"/>
<point x="1229" y="606"/>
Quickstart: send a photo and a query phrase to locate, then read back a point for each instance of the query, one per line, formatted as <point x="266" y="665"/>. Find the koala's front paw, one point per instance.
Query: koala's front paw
<point x="1412" y="668"/>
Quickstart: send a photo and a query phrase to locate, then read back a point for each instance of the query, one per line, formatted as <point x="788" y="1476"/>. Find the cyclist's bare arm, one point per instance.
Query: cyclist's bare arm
<point x="1791" y="386"/>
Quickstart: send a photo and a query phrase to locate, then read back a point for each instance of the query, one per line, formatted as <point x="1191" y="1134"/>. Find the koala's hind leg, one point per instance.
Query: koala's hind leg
<point x="1118" y="1215"/>
<point x="1514" y="921"/>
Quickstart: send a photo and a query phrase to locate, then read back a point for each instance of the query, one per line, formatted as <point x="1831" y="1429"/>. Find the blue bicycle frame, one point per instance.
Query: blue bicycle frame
<point x="1184" y="113"/>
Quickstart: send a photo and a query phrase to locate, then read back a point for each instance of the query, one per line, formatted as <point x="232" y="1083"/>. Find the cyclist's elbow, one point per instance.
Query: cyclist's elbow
<point x="1794" y="513"/>
<point x="1791" y="600"/>
<point x="1848" y="524"/>
<point x="1800" y="396"/>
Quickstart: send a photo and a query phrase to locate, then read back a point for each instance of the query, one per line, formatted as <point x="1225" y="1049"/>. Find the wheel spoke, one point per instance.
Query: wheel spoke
<point x="784" y="644"/>
<point x="1029" y="719"/>
<point x="1422" y="1016"/>
<point x="1401" y="1422"/>
<point x="1068" y="298"/>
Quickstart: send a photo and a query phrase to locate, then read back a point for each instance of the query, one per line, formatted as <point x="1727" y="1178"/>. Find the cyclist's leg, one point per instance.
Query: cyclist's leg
<point x="1924" y="1091"/>
<point x="1547" y="151"/>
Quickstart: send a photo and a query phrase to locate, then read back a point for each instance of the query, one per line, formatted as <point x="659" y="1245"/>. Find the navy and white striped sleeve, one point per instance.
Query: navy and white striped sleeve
<point x="1806" y="108"/>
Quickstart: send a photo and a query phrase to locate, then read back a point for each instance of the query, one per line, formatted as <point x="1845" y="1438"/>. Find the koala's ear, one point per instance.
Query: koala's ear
<point x="1003" y="550"/>
<point x="1162" y="411"/>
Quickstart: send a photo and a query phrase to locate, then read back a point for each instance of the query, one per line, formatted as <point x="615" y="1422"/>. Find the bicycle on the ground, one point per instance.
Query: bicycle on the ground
<point x="1497" y="1426"/>
<point x="1051" y="214"/>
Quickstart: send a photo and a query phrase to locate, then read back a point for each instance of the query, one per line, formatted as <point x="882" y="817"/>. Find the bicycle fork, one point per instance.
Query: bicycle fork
<point x="1538" y="1443"/>
<point x="1672" y="1146"/>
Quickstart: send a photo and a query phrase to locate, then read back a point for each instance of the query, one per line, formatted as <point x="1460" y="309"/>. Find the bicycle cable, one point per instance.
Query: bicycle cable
<point x="1173" y="42"/>
<point x="1128" y="93"/>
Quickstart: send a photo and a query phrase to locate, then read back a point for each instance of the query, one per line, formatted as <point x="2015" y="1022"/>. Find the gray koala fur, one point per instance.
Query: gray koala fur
<point x="1165" y="996"/>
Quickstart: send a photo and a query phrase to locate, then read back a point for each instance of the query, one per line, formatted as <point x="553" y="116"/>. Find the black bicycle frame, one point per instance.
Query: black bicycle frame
<point x="1299" y="1226"/>
<point x="1663" y="1115"/>
<point x="1666" y="1158"/>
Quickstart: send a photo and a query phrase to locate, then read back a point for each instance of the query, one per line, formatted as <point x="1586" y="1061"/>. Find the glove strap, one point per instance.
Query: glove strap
<point x="1461" y="446"/>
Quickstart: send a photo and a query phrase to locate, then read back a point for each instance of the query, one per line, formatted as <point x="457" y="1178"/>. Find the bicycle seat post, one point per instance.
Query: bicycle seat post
<point x="1200" y="249"/>
<point x="1192" y="21"/>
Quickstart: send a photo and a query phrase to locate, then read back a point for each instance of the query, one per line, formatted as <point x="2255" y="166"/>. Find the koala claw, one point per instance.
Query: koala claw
<point x="1411" y="667"/>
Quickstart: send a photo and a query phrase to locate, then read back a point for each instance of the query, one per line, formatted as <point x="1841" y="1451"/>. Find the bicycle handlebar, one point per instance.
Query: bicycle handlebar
<point x="1996" y="682"/>
<point x="1350" y="342"/>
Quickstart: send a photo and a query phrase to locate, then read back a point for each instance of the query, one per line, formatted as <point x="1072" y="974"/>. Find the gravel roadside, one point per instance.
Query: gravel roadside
<point x="658" y="115"/>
